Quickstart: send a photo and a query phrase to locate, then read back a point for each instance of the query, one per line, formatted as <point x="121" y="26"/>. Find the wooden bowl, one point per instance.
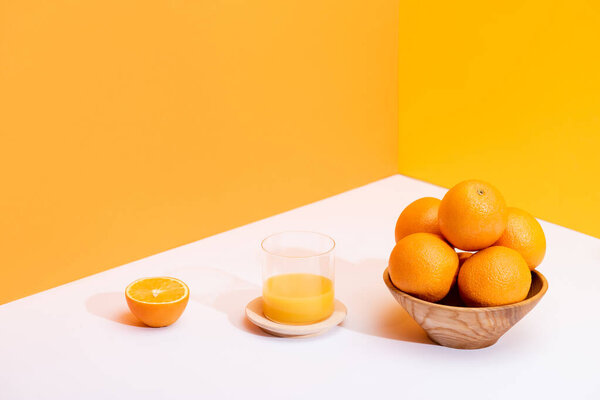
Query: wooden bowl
<point x="453" y="325"/>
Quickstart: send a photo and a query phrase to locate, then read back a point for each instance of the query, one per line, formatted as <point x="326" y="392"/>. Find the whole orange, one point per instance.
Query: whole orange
<point x="472" y="215"/>
<point x="419" y="216"/>
<point x="494" y="277"/>
<point x="524" y="234"/>
<point x="423" y="265"/>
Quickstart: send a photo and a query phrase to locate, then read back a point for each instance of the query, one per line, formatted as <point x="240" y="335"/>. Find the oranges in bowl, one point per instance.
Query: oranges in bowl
<point x="501" y="245"/>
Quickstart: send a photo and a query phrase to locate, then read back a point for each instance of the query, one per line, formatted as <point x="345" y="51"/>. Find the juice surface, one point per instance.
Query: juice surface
<point x="298" y="298"/>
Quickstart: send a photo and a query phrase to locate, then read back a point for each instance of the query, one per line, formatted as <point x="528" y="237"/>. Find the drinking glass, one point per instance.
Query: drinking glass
<point x="298" y="269"/>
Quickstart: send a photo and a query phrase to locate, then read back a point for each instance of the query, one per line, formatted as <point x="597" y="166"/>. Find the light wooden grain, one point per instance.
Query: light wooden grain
<point x="467" y="327"/>
<point x="254" y="312"/>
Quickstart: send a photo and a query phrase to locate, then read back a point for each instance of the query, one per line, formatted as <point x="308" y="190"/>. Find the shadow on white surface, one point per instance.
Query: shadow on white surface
<point x="233" y="304"/>
<point x="113" y="307"/>
<point x="224" y="292"/>
<point x="371" y="308"/>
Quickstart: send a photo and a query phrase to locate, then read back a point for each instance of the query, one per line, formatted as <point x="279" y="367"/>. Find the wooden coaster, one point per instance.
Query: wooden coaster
<point x="254" y="312"/>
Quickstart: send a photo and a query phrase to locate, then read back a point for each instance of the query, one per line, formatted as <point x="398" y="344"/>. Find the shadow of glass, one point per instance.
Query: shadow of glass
<point x="113" y="307"/>
<point x="224" y="292"/>
<point x="233" y="303"/>
<point x="371" y="308"/>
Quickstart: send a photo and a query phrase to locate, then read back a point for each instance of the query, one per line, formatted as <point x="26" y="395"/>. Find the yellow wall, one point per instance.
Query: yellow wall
<point x="508" y="91"/>
<point x="131" y="127"/>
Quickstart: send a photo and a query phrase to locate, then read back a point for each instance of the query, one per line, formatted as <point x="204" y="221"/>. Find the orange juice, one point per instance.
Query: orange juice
<point x="298" y="298"/>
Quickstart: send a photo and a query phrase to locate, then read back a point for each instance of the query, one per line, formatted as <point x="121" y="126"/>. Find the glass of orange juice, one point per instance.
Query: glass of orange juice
<point x="298" y="270"/>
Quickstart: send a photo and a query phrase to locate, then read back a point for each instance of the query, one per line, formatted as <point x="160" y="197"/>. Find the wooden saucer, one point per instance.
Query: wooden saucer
<point x="254" y="312"/>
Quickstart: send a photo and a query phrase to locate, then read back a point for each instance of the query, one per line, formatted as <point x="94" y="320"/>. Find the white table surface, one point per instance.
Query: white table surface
<point x="78" y="341"/>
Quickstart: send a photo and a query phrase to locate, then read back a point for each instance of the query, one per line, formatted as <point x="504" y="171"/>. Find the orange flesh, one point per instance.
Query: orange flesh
<point x="156" y="290"/>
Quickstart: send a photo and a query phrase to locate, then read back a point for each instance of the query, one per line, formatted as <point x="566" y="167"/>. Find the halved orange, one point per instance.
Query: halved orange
<point x="157" y="301"/>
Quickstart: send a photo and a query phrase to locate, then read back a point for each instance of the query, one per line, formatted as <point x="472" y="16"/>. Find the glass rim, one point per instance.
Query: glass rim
<point x="333" y="244"/>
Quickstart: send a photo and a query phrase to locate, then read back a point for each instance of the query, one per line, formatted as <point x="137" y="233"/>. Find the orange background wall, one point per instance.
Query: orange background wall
<point x="507" y="91"/>
<point x="131" y="127"/>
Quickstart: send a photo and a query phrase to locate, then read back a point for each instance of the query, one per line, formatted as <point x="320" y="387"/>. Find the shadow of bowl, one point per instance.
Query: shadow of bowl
<point x="468" y="327"/>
